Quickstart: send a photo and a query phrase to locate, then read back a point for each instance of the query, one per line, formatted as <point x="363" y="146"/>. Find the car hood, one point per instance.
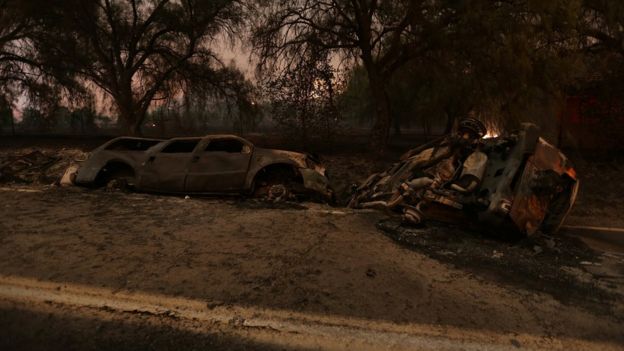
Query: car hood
<point x="297" y="157"/>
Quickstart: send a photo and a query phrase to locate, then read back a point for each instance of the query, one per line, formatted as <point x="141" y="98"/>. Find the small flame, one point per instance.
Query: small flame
<point x="490" y="134"/>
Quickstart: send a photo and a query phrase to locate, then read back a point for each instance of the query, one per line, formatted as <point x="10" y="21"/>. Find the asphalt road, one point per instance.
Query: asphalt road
<point x="609" y="239"/>
<point x="87" y="269"/>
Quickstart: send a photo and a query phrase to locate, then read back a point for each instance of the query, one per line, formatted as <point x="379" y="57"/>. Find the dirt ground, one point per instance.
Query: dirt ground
<point x="301" y="259"/>
<point x="601" y="195"/>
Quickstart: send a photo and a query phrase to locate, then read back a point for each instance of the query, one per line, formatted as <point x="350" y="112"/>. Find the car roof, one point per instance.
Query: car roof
<point x="223" y="136"/>
<point x="136" y="138"/>
<point x="183" y="138"/>
<point x="211" y="136"/>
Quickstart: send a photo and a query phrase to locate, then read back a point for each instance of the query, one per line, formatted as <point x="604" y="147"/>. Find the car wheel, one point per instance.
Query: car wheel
<point x="119" y="181"/>
<point x="278" y="192"/>
<point x="279" y="184"/>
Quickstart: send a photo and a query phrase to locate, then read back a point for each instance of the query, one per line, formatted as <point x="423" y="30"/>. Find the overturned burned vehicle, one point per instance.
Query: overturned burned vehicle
<point x="511" y="185"/>
<point x="214" y="164"/>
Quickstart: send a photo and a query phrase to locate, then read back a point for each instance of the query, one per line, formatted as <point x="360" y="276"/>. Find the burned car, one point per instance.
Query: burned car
<point x="214" y="164"/>
<point x="512" y="185"/>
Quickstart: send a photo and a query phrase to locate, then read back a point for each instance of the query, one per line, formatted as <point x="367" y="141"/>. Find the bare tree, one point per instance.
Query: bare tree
<point x="380" y="35"/>
<point x="16" y="56"/>
<point x="604" y="26"/>
<point x="22" y="73"/>
<point x="138" y="51"/>
<point x="303" y="101"/>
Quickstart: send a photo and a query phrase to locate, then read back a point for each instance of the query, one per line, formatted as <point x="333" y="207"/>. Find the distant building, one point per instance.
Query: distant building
<point x="592" y="121"/>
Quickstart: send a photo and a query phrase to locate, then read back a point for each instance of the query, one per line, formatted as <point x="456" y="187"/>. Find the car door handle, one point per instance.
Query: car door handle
<point x="151" y="159"/>
<point x="195" y="158"/>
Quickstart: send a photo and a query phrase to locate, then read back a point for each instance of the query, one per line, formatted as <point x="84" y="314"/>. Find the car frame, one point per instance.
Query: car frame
<point x="528" y="185"/>
<point x="212" y="164"/>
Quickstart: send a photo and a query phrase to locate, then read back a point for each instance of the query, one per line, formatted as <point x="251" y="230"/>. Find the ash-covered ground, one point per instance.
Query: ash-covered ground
<point x="299" y="258"/>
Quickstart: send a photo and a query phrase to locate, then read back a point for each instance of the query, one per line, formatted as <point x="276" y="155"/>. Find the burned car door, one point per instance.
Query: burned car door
<point x="220" y="166"/>
<point x="165" y="169"/>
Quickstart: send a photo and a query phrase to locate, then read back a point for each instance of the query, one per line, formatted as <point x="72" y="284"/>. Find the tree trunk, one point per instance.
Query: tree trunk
<point x="131" y="118"/>
<point x="131" y="111"/>
<point x="396" y="123"/>
<point x="162" y="123"/>
<point x="128" y="121"/>
<point x="381" y="106"/>
<point x="136" y="128"/>
<point x="450" y="121"/>
<point x="426" y="128"/>
<point x="12" y="124"/>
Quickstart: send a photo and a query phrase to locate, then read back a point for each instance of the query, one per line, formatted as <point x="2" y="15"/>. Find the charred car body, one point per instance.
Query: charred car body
<point x="524" y="184"/>
<point x="214" y="164"/>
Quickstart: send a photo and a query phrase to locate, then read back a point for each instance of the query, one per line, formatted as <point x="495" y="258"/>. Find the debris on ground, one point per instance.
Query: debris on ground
<point x="348" y="170"/>
<point x="69" y="176"/>
<point x="263" y="204"/>
<point x="35" y="166"/>
<point x="371" y="273"/>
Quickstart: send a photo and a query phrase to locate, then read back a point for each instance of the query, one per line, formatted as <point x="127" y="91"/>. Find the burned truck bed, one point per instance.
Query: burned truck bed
<point x="527" y="185"/>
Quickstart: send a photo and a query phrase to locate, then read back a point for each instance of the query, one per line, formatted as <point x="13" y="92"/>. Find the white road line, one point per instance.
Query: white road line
<point x="21" y="190"/>
<point x="603" y="229"/>
<point x="283" y="328"/>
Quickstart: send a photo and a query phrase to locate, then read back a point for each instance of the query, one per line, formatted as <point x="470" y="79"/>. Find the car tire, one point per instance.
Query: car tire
<point x="279" y="186"/>
<point x="119" y="182"/>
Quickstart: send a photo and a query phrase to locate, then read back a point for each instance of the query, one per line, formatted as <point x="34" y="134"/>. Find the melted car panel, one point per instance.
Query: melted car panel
<point x="517" y="181"/>
<point x="213" y="164"/>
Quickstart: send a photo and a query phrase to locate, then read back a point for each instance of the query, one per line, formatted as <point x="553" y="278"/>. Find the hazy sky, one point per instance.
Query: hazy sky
<point x="237" y="53"/>
<point x="226" y="50"/>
